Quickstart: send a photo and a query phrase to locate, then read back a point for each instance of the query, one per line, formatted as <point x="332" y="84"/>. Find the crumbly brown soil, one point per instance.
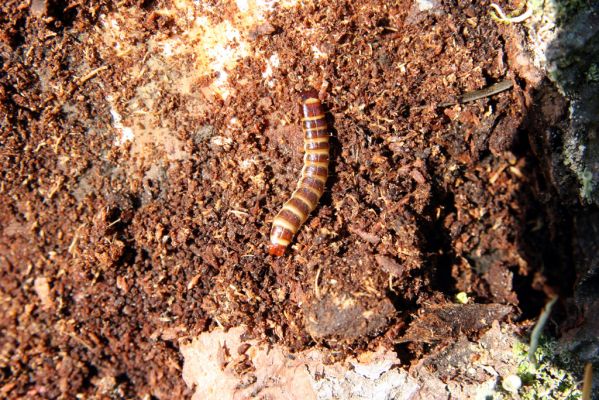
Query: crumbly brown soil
<point x="111" y="252"/>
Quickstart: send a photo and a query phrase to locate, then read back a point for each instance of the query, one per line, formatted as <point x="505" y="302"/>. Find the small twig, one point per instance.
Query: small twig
<point x="316" y="279"/>
<point x="91" y="74"/>
<point x="482" y="93"/>
<point x="114" y="223"/>
<point x="538" y="329"/>
<point x="587" y="382"/>
<point x="510" y="20"/>
<point x="239" y="213"/>
<point x="486" y="92"/>
<point x="497" y="174"/>
<point x="56" y="187"/>
<point x="71" y="249"/>
<point x="391" y="288"/>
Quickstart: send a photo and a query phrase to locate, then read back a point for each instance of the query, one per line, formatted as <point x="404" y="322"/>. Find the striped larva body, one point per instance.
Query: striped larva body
<point x="311" y="184"/>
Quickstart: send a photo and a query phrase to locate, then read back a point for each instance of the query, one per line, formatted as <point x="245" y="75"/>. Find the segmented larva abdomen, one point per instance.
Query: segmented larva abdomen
<point x="313" y="178"/>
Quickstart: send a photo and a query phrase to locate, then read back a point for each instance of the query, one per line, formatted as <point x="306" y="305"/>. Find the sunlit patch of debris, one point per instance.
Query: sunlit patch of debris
<point x="196" y="62"/>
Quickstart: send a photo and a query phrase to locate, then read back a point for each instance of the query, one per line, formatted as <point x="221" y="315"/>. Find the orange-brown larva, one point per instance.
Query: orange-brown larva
<point x="311" y="184"/>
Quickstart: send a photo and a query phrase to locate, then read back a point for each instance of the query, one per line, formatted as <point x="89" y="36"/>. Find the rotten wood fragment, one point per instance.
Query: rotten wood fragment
<point x="344" y="317"/>
<point x="445" y="322"/>
<point x="389" y="265"/>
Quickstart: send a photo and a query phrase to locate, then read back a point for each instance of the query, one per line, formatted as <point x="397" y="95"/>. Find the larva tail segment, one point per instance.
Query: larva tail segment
<point x="276" y="250"/>
<point x="311" y="184"/>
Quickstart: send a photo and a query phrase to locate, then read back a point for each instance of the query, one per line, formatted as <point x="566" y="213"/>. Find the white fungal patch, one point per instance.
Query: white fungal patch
<point x="243" y="5"/>
<point x="317" y="53"/>
<point x="198" y="62"/>
<point x="221" y="141"/>
<point x="219" y="49"/>
<point x="126" y="133"/>
<point x="168" y="49"/>
<point x="425" y="5"/>
<point x="272" y="62"/>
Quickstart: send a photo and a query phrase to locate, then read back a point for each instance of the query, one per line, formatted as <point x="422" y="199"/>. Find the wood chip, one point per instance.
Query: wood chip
<point x="389" y="265"/>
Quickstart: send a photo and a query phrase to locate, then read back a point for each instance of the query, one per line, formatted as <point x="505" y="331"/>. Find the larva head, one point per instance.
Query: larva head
<point x="276" y="250"/>
<point x="309" y="94"/>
